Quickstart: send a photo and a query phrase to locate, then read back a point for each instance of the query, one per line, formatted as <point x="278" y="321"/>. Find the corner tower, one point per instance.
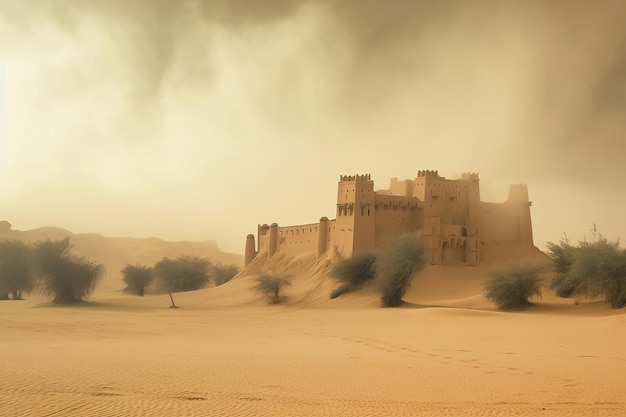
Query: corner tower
<point x="520" y="206"/>
<point x="355" y="225"/>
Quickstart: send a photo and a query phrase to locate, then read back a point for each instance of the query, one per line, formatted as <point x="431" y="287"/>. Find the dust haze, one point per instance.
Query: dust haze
<point x="199" y="119"/>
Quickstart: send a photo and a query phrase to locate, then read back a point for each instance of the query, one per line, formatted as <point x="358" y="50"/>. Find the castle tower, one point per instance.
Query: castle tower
<point x="473" y="194"/>
<point x="273" y="240"/>
<point x="250" y="252"/>
<point x="518" y="200"/>
<point x="322" y="237"/>
<point x="355" y="223"/>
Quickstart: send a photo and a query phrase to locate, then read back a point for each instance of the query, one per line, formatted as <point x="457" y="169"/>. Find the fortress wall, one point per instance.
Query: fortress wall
<point x="294" y="240"/>
<point x="395" y="215"/>
<point x="440" y="194"/>
<point x="264" y="238"/>
<point x="332" y="235"/>
<point x="498" y="222"/>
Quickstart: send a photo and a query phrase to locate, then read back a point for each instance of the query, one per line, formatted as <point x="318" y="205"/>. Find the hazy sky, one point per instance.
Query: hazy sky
<point x="200" y="119"/>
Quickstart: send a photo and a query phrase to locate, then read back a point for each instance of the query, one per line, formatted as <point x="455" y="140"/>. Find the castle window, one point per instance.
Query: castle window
<point x="362" y="211"/>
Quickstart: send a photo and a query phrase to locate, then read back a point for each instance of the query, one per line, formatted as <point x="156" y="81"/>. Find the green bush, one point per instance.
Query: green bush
<point x="270" y="286"/>
<point x="510" y="288"/>
<point x="137" y="278"/>
<point x="17" y="275"/>
<point x="591" y="269"/>
<point x="185" y="273"/>
<point x="223" y="273"/>
<point x="396" y="267"/>
<point x="354" y="272"/>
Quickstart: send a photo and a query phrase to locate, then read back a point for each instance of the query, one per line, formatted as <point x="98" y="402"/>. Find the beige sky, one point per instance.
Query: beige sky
<point x="199" y="119"/>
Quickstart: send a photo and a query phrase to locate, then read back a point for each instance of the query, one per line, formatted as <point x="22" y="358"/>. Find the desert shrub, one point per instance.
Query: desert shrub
<point x="137" y="277"/>
<point x="511" y="287"/>
<point x="223" y="273"/>
<point x="396" y="267"/>
<point x="185" y="273"/>
<point x="562" y="256"/>
<point x="590" y="269"/>
<point x="17" y="275"/>
<point x="69" y="278"/>
<point x="353" y="272"/>
<point x="270" y="286"/>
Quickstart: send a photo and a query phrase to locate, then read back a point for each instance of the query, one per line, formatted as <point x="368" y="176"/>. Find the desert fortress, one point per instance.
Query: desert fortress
<point x="454" y="222"/>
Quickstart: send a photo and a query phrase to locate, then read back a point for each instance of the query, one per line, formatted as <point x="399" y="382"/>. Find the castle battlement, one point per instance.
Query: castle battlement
<point x="428" y="173"/>
<point x="469" y="176"/>
<point x="358" y="178"/>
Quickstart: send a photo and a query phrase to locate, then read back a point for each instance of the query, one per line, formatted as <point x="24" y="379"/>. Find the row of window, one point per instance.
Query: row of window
<point x="349" y="211"/>
<point x="295" y="232"/>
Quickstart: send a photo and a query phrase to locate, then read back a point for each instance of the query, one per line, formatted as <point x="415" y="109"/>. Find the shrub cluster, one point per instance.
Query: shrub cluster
<point x="590" y="269"/>
<point x="391" y="271"/>
<point x="354" y="272"/>
<point x="48" y="267"/>
<point x="511" y="287"/>
<point x="270" y="285"/>
<point x="17" y="273"/>
<point x="137" y="278"/>
<point x="223" y="273"/>
<point x="183" y="273"/>
<point x="402" y="259"/>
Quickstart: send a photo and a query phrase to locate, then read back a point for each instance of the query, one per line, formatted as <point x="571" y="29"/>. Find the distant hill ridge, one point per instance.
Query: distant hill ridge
<point x="117" y="252"/>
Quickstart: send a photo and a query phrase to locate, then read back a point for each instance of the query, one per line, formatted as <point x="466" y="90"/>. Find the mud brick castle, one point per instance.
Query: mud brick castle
<point x="450" y="214"/>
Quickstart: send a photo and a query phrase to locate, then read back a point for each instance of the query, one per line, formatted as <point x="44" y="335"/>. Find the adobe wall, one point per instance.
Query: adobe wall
<point x="292" y="240"/>
<point x="509" y="221"/>
<point x="396" y="214"/>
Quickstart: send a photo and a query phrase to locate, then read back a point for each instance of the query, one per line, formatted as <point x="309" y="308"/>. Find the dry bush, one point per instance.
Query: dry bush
<point x="591" y="269"/>
<point x="223" y="273"/>
<point x="69" y="278"/>
<point x="270" y="286"/>
<point x="185" y="273"/>
<point x="137" y="278"/>
<point x="511" y="287"/>
<point x="17" y="275"/>
<point x="354" y="272"/>
<point x="396" y="267"/>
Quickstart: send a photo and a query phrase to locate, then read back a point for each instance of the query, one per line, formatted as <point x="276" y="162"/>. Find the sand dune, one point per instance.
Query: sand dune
<point x="226" y="352"/>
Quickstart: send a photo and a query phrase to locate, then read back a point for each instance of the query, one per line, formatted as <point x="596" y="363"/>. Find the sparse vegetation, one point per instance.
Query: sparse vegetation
<point x="591" y="269"/>
<point x="270" y="286"/>
<point x="354" y="272"/>
<point x="69" y="278"/>
<point x="185" y="273"/>
<point x="223" y="273"/>
<point x="512" y="287"/>
<point x="17" y="275"/>
<point x="562" y="256"/>
<point x="396" y="267"/>
<point x="137" y="277"/>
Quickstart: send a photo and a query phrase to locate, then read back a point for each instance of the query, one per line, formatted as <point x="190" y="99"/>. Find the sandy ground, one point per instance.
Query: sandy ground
<point x="227" y="353"/>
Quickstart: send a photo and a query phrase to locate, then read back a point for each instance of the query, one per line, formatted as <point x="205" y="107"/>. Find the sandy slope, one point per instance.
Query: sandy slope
<point x="448" y="352"/>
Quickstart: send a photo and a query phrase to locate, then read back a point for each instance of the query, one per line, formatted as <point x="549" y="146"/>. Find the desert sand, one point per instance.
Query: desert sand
<point x="226" y="352"/>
